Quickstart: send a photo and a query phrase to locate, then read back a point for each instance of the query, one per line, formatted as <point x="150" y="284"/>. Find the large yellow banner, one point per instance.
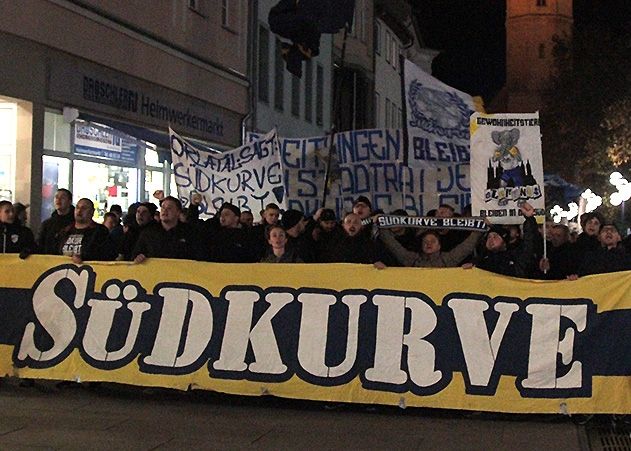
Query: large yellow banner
<point x="445" y="338"/>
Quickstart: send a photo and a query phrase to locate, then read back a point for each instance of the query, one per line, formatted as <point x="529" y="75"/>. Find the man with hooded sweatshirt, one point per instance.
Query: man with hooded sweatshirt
<point x="62" y="217"/>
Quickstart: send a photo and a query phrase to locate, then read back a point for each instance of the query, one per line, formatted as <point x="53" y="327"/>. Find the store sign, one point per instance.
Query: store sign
<point x="99" y="89"/>
<point x="101" y="143"/>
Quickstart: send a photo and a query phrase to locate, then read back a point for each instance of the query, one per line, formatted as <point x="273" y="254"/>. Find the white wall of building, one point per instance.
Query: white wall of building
<point x="293" y="119"/>
<point x="388" y="106"/>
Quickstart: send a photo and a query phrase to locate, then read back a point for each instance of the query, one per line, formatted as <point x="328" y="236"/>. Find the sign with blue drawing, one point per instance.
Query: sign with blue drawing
<point x="437" y="124"/>
<point x="249" y="177"/>
<point x="506" y="165"/>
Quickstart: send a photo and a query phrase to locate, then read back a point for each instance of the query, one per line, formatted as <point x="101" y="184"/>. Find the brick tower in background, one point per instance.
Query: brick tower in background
<point x="531" y="29"/>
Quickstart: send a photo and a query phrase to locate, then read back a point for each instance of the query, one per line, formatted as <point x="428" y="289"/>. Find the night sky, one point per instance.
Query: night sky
<point x="471" y="36"/>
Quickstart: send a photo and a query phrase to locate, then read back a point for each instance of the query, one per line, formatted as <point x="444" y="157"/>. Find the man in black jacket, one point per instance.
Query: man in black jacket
<point x="518" y="261"/>
<point x="169" y="238"/>
<point x="62" y="217"/>
<point x="610" y="256"/>
<point x="84" y="239"/>
<point x="14" y="237"/>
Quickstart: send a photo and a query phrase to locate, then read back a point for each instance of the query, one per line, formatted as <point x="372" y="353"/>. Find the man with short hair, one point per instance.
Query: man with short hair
<point x="227" y="241"/>
<point x="84" y="239"/>
<point x="169" y="238"/>
<point x="350" y="244"/>
<point x="62" y="217"/>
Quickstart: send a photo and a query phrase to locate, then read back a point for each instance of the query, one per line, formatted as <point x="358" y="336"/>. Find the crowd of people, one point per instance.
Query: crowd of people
<point x="169" y="231"/>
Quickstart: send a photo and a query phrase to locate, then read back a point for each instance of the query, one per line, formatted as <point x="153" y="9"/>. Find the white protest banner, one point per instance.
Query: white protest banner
<point x="437" y="121"/>
<point x="249" y="177"/>
<point x="506" y="166"/>
<point x="365" y="162"/>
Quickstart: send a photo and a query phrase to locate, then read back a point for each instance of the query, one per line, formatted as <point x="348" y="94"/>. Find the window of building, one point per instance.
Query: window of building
<point x="542" y="51"/>
<point x="377" y="109"/>
<point x="295" y="96"/>
<point x="225" y="13"/>
<point x="319" y="95"/>
<point x="388" y="113"/>
<point x="388" y="46"/>
<point x="309" y="91"/>
<point x="377" y="38"/>
<point x="263" y="66"/>
<point x="394" y="52"/>
<point x="56" y="132"/>
<point x="279" y="77"/>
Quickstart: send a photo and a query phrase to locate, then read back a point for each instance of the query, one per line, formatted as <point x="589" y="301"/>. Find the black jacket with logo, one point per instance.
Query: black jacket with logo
<point x="15" y="238"/>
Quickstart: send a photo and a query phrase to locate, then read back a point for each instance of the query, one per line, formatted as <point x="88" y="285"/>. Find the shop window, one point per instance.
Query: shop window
<point x="105" y="185"/>
<point x="154" y="180"/>
<point x="151" y="156"/>
<point x="8" y="136"/>
<point x="55" y="175"/>
<point x="56" y="132"/>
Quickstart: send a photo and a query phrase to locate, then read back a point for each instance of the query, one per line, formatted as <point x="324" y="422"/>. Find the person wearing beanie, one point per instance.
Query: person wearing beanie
<point x="587" y="241"/>
<point x="299" y="234"/>
<point x="610" y="256"/>
<point x="519" y="261"/>
<point x="362" y="207"/>
<point x="326" y="229"/>
<point x="139" y="217"/>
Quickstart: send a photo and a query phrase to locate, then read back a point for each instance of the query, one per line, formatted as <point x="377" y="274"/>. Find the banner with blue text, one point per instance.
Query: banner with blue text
<point x="369" y="163"/>
<point x="249" y="177"/>
<point x="443" y="338"/>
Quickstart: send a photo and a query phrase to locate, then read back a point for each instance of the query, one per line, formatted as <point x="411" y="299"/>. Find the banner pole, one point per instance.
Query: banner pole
<point x="337" y="94"/>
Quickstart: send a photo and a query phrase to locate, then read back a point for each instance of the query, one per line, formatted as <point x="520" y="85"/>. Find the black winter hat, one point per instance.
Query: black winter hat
<point x="291" y="218"/>
<point x="327" y="215"/>
<point x="503" y="232"/>
<point x="363" y="200"/>
<point x="231" y="207"/>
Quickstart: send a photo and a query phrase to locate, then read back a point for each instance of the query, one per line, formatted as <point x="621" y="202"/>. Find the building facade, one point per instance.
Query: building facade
<point x="297" y="107"/>
<point x="89" y="88"/>
<point x="396" y="34"/>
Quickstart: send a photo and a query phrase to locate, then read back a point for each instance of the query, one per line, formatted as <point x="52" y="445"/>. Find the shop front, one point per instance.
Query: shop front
<point x="97" y="131"/>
